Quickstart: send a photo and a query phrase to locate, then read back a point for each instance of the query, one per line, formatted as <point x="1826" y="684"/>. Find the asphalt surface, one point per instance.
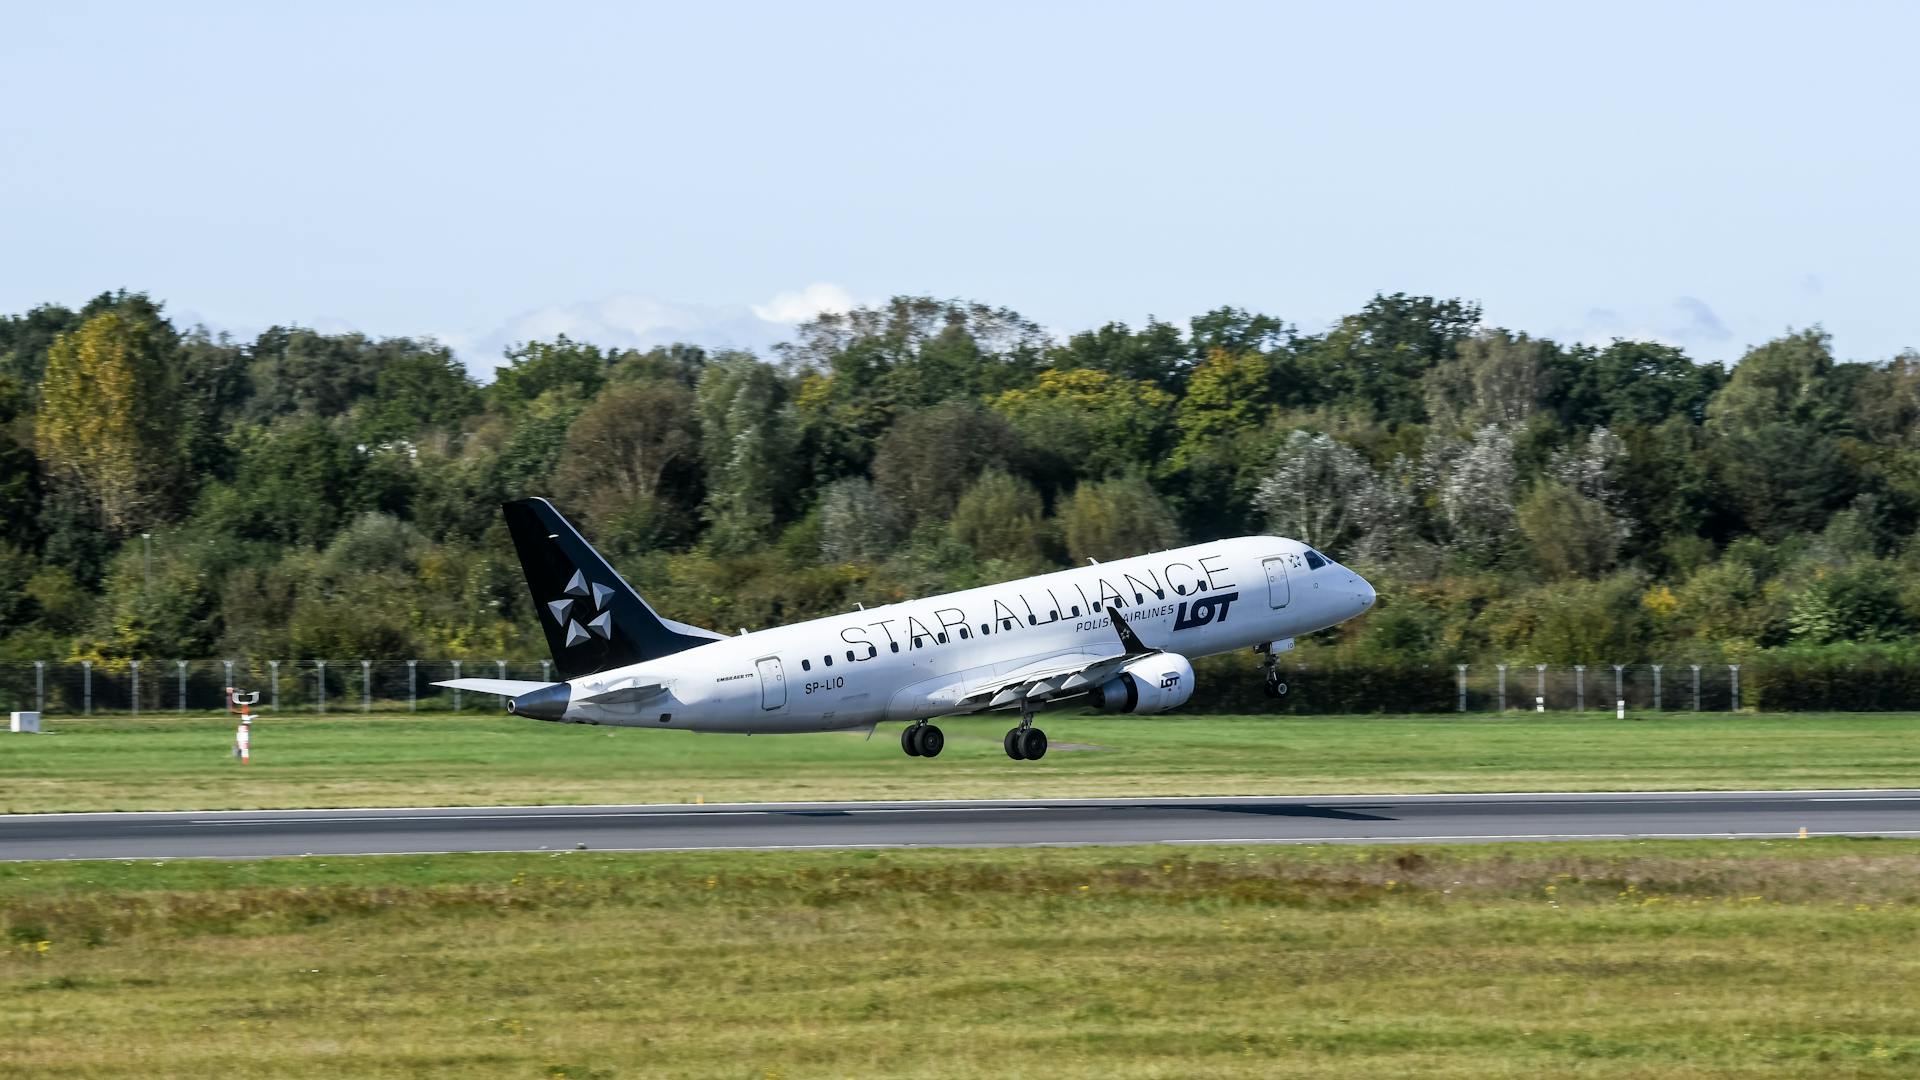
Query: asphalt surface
<point x="1304" y="819"/>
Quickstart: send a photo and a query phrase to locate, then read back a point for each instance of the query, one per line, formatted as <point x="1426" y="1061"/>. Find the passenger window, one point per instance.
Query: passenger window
<point x="965" y="633"/>
<point x="849" y="656"/>
<point x="1314" y="560"/>
<point x="827" y="660"/>
<point x="941" y="638"/>
<point x="984" y="629"/>
<point x="1076" y="612"/>
<point x="893" y="646"/>
<point x="806" y="665"/>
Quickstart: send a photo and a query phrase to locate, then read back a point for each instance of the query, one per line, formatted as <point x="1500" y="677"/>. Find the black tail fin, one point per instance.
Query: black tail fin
<point x="593" y="618"/>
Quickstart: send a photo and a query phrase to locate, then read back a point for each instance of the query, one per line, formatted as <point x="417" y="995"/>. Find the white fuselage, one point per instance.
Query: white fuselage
<point x="922" y="658"/>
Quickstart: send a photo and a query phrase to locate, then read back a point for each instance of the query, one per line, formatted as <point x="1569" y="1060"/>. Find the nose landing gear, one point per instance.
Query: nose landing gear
<point x="1276" y="686"/>
<point x="922" y="739"/>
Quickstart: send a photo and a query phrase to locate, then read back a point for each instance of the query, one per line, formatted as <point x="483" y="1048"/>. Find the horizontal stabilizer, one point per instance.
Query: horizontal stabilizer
<point x="502" y="687"/>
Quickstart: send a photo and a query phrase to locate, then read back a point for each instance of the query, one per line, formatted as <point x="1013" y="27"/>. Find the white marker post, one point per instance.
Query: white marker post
<point x="242" y="735"/>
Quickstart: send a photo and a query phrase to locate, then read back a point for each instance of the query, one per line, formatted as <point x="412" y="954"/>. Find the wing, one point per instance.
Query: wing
<point x="624" y="695"/>
<point x="1063" y="676"/>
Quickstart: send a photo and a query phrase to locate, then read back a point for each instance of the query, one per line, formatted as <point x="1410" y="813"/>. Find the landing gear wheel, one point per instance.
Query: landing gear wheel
<point x="910" y="740"/>
<point x="1012" y="743"/>
<point x="1033" y="744"/>
<point x="1275" y="687"/>
<point x="931" y="741"/>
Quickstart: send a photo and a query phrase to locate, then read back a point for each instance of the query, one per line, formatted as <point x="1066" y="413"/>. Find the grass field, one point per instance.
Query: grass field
<point x="427" y="759"/>
<point x="1659" y="959"/>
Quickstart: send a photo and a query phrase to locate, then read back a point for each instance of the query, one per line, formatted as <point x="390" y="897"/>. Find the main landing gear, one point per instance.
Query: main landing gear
<point x="1026" y="742"/>
<point x="922" y="739"/>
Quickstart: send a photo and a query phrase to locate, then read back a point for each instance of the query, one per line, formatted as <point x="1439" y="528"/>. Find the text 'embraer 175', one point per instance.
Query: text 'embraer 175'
<point x="1117" y="636"/>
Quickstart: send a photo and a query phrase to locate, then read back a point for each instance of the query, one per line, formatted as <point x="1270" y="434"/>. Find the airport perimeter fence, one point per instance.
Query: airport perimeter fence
<point x="158" y="687"/>
<point x="1225" y="684"/>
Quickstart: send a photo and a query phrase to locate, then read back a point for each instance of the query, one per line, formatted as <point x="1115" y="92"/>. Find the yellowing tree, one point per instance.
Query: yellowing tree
<point x="106" y="422"/>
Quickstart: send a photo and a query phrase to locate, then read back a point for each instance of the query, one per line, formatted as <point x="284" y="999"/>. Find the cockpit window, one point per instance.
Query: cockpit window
<point x="1315" y="560"/>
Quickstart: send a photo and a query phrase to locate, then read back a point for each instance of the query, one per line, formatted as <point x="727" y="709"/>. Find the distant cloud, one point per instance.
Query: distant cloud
<point x="797" y="307"/>
<point x="630" y="320"/>
<point x="1687" y="322"/>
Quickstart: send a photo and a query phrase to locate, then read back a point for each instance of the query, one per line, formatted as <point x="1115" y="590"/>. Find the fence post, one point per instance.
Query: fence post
<point x="273" y="681"/>
<point x="1579" y="688"/>
<point x="1736" y="686"/>
<point x="1619" y="682"/>
<point x="1503" y="686"/>
<point x="229" y="664"/>
<point x="321" y="666"/>
<point x="134" y="666"/>
<point x="501" y="666"/>
<point x="181" y="665"/>
<point x="1656" y="687"/>
<point x="366" y="685"/>
<point x="1696" y="688"/>
<point x="40" y="686"/>
<point x="1540" y="688"/>
<point x="456" y="690"/>
<point x="1463" y="687"/>
<point x="546" y="671"/>
<point x="413" y="695"/>
<point x="86" y="687"/>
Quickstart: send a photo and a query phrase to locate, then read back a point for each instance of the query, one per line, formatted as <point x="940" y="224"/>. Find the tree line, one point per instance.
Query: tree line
<point x="167" y="492"/>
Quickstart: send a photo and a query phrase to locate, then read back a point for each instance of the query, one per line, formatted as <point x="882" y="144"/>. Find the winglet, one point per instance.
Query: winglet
<point x="1129" y="640"/>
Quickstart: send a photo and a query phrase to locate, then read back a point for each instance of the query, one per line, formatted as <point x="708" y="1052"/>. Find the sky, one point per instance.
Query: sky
<point x="1709" y="175"/>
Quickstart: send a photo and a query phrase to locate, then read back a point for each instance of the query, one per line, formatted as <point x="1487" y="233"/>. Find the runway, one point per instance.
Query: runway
<point x="1402" y="819"/>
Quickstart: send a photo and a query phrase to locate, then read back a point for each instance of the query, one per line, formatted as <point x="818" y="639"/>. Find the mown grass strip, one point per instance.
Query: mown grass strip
<point x="1682" y="959"/>
<point x="310" y="761"/>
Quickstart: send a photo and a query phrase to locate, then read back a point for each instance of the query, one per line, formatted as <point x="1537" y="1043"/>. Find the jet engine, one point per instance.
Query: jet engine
<point x="1152" y="684"/>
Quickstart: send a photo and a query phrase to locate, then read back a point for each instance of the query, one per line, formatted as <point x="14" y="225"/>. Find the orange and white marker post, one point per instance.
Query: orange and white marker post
<point x="242" y="735"/>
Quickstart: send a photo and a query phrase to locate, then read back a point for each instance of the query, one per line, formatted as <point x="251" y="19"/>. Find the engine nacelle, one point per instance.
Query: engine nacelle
<point x="1151" y="684"/>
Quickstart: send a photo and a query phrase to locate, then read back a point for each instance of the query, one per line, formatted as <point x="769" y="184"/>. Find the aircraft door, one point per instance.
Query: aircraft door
<point x="1278" y="591"/>
<point x="773" y="684"/>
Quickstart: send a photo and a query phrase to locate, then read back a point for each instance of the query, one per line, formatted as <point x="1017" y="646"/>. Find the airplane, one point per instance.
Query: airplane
<point x="1117" y="636"/>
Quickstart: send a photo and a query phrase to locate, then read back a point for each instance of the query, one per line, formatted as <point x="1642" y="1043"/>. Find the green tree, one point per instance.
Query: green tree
<point x="1858" y="603"/>
<point x="1629" y="382"/>
<point x="108" y="421"/>
<point x="296" y="371"/>
<point x="296" y="484"/>
<point x="929" y="457"/>
<point x="1114" y="519"/>
<point x="631" y="466"/>
<point x="416" y="391"/>
<point x="1002" y="517"/>
<point x="1569" y="534"/>
<point x="1493" y="377"/>
<point x="538" y="367"/>
<point x="1156" y="353"/>
<point x="1377" y="360"/>
<point x="747" y="440"/>
<point x="1089" y="423"/>
<point x="1226" y="395"/>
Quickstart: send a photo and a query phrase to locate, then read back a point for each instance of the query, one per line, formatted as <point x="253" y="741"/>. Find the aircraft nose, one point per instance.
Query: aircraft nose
<point x="1363" y="592"/>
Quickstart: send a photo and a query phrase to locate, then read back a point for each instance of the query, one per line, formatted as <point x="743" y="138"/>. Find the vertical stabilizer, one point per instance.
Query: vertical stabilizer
<point x="593" y="619"/>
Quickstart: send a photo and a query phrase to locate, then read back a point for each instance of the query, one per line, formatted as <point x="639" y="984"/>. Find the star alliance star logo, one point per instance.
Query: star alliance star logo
<point x="597" y="595"/>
